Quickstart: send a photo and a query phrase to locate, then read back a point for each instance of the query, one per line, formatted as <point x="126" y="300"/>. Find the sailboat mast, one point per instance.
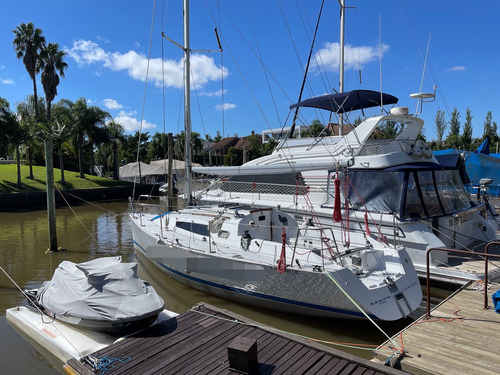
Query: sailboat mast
<point x="341" y="62"/>
<point x="187" y="106"/>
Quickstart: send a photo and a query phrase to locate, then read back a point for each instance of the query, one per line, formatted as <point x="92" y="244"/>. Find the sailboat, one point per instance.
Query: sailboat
<point x="263" y="257"/>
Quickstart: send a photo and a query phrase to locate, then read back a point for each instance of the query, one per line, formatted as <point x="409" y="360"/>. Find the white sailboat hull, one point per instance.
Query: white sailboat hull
<point x="295" y="291"/>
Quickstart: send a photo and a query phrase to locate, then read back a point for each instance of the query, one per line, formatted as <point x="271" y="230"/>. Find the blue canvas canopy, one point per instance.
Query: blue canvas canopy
<point x="347" y="101"/>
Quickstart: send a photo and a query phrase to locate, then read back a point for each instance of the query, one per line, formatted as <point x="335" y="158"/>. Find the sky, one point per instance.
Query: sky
<point x="115" y="51"/>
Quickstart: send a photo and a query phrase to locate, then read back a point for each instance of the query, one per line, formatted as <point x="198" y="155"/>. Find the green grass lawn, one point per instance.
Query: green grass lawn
<point x="8" y="180"/>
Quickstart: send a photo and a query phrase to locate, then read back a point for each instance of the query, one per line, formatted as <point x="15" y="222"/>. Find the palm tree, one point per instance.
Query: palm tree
<point x="52" y="62"/>
<point x="60" y="129"/>
<point x="157" y="147"/>
<point x="28" y="42"/>
<point x="26" y="113"/>
<point x="86" y="119"/>
<point x="115" y="137"/>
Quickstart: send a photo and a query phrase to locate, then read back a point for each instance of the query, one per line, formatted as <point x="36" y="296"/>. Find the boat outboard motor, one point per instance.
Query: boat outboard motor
<point x="483" y="189"/>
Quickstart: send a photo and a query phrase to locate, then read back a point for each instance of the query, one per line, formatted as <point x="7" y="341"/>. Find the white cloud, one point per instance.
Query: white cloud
<point x="7" y="81"/>
<point x="217" y="93"/>
<point x="85" y="52"/>
<point x="203" y="68"/>
<point x="130" y="123"/>
<point x="225" y="106"/>
<point x="112" y="104"/>
<point x="354" y="57"/>
<point x="458" y="68"/>
<point x="103" y="39"/>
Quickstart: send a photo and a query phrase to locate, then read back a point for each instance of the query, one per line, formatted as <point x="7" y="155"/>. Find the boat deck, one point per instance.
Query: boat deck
<point x="197" y="341"/>
<point x="459" y="338"/>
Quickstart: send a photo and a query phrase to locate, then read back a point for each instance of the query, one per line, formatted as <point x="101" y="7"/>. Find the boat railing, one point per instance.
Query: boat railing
<point x="259" y="191"/>
<point x="148" y="204"/>
<point x="486" y="256"/>
<point x="326" y="236"/>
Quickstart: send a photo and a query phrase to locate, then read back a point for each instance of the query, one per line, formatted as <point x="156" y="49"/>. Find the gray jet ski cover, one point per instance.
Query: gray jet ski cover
<point x="102" y="289"/>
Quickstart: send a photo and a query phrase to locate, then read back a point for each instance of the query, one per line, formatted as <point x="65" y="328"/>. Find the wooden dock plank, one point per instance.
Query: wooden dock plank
<point x="289" y="362"/>
<point x="303" y="364"/>
<point x="178" y="351"/>
<point x="208" y="348"/>
<point x="445" y="344"/>
<point x="197" y="341"/>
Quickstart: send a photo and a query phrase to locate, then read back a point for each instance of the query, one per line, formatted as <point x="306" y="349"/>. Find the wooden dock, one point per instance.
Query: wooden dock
<point x="459" y="338"/>
<point x="197" y="342"/>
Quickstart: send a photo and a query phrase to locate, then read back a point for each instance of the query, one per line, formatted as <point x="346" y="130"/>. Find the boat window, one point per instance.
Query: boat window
<point x="442" y="193"/>
<point x="388" y="129"/>
<point x="413" y="208"/>
<point x="201" y="229"/>
<point x="452" y="191"/>
<point x="377" y="190"/>
<point x="223" y="234"/>
<point x="429" y="194"/>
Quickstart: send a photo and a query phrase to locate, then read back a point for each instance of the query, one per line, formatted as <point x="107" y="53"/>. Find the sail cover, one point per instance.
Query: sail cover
<point x="348" y="101"/>
<point x="103" y="289"/>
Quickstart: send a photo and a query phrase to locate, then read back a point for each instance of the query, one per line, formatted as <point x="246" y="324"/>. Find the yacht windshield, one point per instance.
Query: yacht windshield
<point x="410" y="194"/>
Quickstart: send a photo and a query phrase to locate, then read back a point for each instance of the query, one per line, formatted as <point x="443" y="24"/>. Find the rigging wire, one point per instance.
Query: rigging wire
<point x="263" y="67"/>
<point x="420" y="48"/>
<point x="306" y="69"/>
<point x="145" y="92"/>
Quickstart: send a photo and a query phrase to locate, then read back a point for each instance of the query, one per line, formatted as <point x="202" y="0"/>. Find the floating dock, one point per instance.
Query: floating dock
<point x="209" y="340"/>
<point x="460" y="337"/>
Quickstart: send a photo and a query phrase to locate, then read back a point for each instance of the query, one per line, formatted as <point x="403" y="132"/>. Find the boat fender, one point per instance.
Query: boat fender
<point x="417" y="149"/>
<point x="246" y="238"/>
<point x="405" y="147"/>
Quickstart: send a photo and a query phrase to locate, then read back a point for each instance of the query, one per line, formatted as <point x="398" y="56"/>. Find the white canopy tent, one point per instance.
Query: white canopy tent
<point x="153" y="172"/>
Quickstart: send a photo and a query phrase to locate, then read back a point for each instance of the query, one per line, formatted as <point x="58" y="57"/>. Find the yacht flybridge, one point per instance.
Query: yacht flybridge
<point x="392" y="186"/>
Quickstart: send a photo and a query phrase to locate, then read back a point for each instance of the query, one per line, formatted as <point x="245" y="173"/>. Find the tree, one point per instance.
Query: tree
<point x="4" y="111"/>
<point x="179" y="146"/>
<point x="157" y="147"/>
<point x="440" y="127"/>
<point x="26" y="112"/>
<point x="455" y="122"/>
<point x="487" y="128"/>
<point x="13" y="133"/>
<point x="59" y="130"/>
<point x="115" y="137"/>
<point x="86" y="119"/>
<point x="466" y="138"/>
<point x="314" y="130"/>
<point x="233" y="156"/>
<point x="52" y="62"/>
<point x="28" y="43"/>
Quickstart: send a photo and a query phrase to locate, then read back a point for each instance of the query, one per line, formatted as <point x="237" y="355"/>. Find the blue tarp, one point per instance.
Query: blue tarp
<point x="496" y="301"/>
<point x="484" y="148"/>
<point x="479" y="165"/>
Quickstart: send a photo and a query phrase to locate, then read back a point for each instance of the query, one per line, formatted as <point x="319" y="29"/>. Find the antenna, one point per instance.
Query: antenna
<point x="380" y="47"/>
<point x="421" y="96"/>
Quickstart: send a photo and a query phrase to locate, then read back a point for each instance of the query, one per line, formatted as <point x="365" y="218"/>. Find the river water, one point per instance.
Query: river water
<point x="90" y="231"/>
